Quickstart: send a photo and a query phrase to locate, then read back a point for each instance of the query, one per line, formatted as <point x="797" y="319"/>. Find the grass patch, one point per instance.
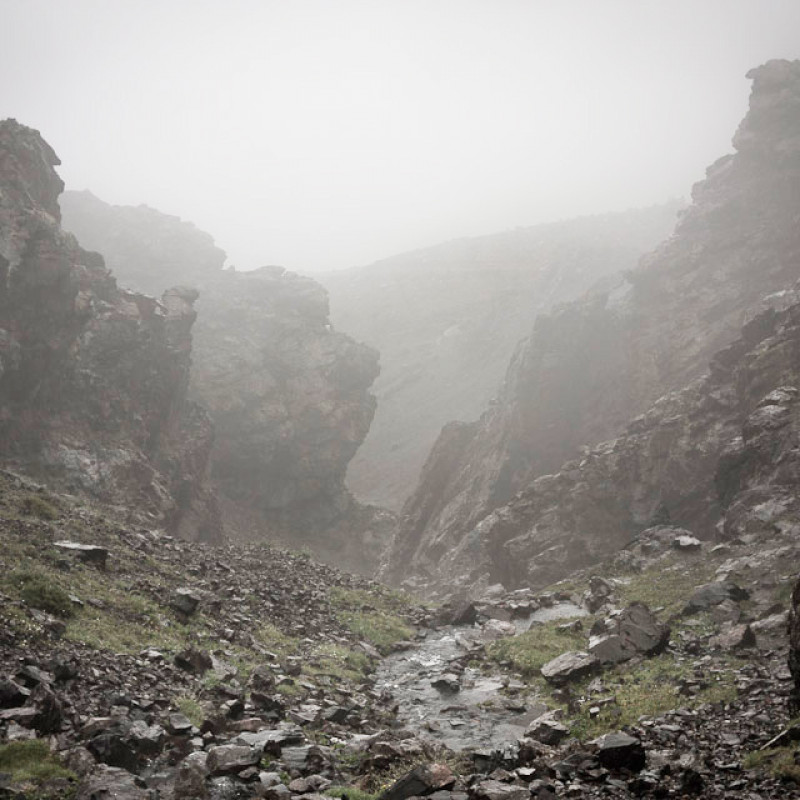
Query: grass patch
<point x="781" y="762"/>
<point x="34" y="505"/>
<point x="275" y="640"/>
<point x="380" y="628"/>
<point x="350" y="793"/>
<point x="32" y="762"/>
<point x="530" y="651"/>
<point x="649" y="689"/>
<point x="373" y="615"/>
<point x="192" y="709"/>
<point x="38" y="589"/>
<point x="337" y="662"/>
<point x="668" y="585"/>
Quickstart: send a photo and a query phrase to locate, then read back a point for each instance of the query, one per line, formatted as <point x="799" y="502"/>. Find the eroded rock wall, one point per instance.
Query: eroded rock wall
<point x="289" y="396"/>
<point x="93" y="378"/>
<point x="591" y="367"/>
<point x="446" y="320"/>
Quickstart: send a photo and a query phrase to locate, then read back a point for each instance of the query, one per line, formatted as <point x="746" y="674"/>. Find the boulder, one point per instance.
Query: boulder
<point x="12" y="695"/>
<point x="495" y="790"/>
<point x="110" y="782"/>
<point x="89" y="553"/>
<point x="547" y="730"/>
<point x="569" y="667"/>
<point x="422" y="780"/>
<point x="230" y="758"/>
<point x="735" y="637"/>
<point x="621" y="751"/>
<point x="712" y="594"/>
<point x="193" y="660"/>
<point x="185" y="601"/>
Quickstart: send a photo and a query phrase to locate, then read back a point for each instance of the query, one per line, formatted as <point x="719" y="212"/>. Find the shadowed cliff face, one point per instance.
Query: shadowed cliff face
<point x="446" y="320"/>
<point x="289" y="396"/>
<point x="592" y="366"/>
<point x="93" y="379"/>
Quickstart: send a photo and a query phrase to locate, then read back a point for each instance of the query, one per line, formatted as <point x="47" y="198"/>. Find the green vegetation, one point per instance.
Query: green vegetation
<point x="34" y="505"/>
<point x="191" y="708"/>
<point x="337" y="662"/>
<point x="372" y="616"/>
<point x="349" y="793"/>
<point x="31" y="762"/>
<point x="781" y="762"/>
<point x="275" y="640"/>
<point x="649" y="689"/>
<point x="668" y="585"/>
<point x="530" y="651"/>
<point x="39" y="588"/>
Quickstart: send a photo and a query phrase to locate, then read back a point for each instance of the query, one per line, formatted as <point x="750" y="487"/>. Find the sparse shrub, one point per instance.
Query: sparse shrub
<point x="38" y="590"/>
<point x="34" y="505"/>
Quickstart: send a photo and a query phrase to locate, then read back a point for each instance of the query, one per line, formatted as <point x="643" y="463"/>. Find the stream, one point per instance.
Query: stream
<point x="476" y="715"/>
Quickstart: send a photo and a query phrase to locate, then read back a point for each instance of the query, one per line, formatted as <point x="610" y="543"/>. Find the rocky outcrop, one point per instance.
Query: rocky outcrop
<point x="288" y="395"/>
<point x="446" y="320"/>
<point x="794" y="644"/>
<point x="93" y="378"/>
<point x="152" y="251"/>
<point x="290" y="400"/>
<point x="590" y="367"/>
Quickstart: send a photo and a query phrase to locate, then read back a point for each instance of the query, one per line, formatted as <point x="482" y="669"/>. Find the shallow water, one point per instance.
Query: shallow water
<point x="478" y="715"/>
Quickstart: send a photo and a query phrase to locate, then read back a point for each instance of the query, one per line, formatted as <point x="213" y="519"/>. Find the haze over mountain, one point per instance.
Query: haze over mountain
<point x="446" y="320"/>
<point x="317" y="135"/>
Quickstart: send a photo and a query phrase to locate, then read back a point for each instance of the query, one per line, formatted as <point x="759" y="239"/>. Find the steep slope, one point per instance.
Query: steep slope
<point x="288" y="395"/>
<point x="591" y="366"/>
<point x="151" y="250"/>
<point x="93" y="378"/>
<point x="446" y="320"/>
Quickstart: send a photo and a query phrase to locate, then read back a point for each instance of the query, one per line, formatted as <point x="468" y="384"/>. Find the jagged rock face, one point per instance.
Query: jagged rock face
<point x="289" y="396"/>
<point x="152" y="251"/>
<point x="93" y="379"/>
<point x="794" y="643"/>
<point x="592" y="366"/>
<point x="446" y="321"/>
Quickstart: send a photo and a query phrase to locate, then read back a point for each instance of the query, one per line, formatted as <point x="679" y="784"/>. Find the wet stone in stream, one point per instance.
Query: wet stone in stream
<point x="461" y="709"/>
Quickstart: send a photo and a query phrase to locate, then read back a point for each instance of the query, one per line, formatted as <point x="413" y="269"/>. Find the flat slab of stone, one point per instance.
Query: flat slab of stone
<point x="569" y="667"/>
<point x="90" y="553"/>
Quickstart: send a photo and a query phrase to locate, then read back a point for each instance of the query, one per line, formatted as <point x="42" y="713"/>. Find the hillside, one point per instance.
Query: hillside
<point x="135" y="665"/>
<point x="447" y="319"/>
<point x="592" y="367"/>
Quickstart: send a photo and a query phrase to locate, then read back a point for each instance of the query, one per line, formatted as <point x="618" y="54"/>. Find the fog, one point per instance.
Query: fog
<point x="324" y="134"/>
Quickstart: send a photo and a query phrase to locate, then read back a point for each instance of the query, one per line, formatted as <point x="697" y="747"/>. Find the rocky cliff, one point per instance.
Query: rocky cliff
<point x="591" y="367"/>
<point x="291" y="404"/>
<point x="446" y="320"/>
<point x="288" y="395"/>
<point x="93" y="378"/>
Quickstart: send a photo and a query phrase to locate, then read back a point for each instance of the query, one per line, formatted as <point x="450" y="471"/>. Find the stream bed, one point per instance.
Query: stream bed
<point x="476" y="715"/>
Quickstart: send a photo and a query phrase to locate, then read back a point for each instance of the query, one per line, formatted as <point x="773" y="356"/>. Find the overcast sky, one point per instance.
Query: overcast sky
<point x="327" y="133"/>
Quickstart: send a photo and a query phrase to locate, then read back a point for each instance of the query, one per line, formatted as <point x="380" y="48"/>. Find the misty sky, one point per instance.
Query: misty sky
<point x="328" y="133"/>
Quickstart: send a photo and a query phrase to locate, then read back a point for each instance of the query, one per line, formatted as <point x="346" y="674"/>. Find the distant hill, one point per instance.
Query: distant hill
<point x="446" y="320"/>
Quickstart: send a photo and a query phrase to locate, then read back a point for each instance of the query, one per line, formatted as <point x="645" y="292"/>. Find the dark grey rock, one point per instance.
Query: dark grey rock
<point x="422" y="780"/>
<point x="569" y="667"/>
<point x="89" y="553"/>
<point x="230" y="758"/>
<point x="185" y="601"/>
<point x="621" y="751"/>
